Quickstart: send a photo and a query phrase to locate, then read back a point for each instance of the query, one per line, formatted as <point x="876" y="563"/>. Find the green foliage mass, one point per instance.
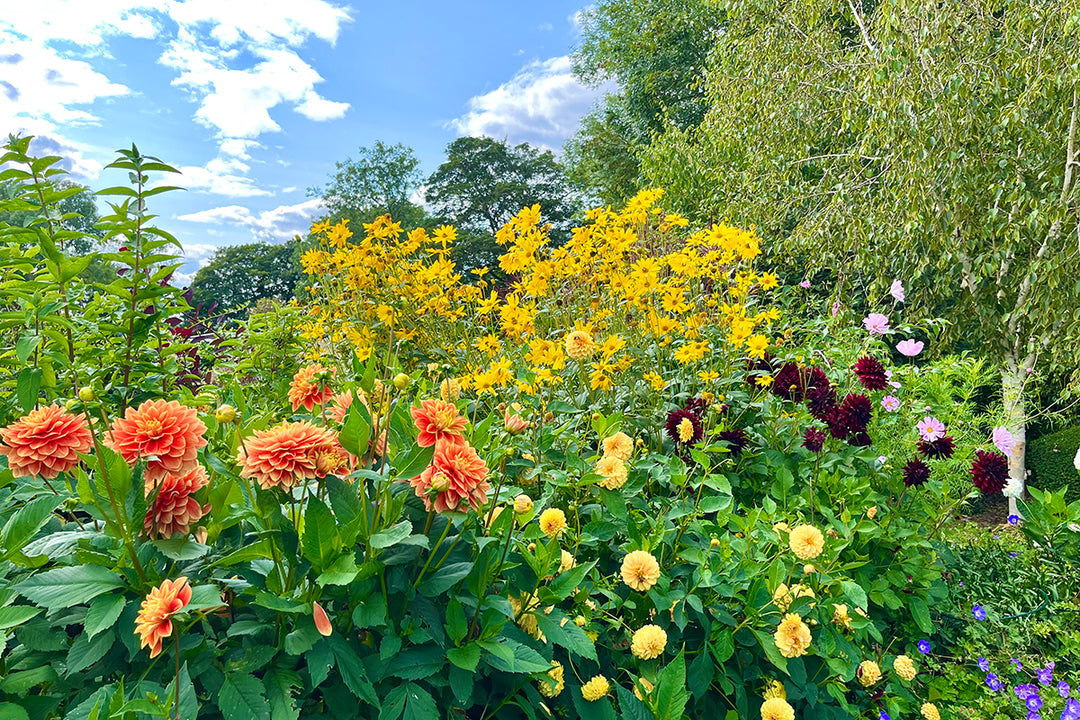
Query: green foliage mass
<point x="239" y="275"/>
<point x="1050" y="458"/>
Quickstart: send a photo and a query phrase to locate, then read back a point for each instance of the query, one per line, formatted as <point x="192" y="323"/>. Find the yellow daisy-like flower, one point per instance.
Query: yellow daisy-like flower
<point x="649" y="642"/>
<point x="792" y="637"/>
<point x="640" y="570"/>
<point x="868" y="673"/>
<point x="596" y="688"/>
<point x="556" y="674"/>
<point x="930" y="711"/>
<point x="553" y="522"/>
<point x="904" y="667"/>
<point x="613" y="471"/>
<point x="777" y="709"/>
<point x="806" y="541"/>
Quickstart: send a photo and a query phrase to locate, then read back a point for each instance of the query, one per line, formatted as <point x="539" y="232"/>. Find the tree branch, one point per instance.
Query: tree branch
<point x="862" y="26"/>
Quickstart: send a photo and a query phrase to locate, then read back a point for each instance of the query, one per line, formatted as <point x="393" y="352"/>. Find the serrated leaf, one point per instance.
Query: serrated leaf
<point x="466" y="657"/>
<point x="567" y="635"/>
<point x="241" y="698"/>
<point x="13" y="615"/>
<point x="66" y="586"/>
<point x="103" y="613"/>
<point x="391" y="536"/>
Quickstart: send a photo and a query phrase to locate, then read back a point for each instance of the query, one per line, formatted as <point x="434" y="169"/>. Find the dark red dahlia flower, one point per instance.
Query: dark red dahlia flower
<point x="816" y="378"/>
<point x="860" y="439"/>
<point x="941" y="448"/>
<point x="813" y="439"/>
<point x="871" y="373"/>
<point x="736" y="439"/>
<point x="683" y="427"/>
<point x="837" y="427"/>
<point x="788" y="384"/>
<point x="821" y="401"/>
<point x="989" y="471"/>
<point x="916" y="473"/>
<point x="855" y="412"/>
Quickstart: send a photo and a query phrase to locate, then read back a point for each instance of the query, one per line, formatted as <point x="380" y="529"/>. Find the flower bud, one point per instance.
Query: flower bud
<point x="86" y="394"/>
<point x="579" y="621"/>
<point x="225" y="414"/>
<point x="71" y="404"/>
<point x="401" y="381"/>
<point x="440" y="482"/>
<point x="714" y="543"/>
<point x="523" y="504"/>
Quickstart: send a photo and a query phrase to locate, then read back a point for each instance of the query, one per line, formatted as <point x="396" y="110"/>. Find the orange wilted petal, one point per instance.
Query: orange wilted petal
<point x="322" y="622"/>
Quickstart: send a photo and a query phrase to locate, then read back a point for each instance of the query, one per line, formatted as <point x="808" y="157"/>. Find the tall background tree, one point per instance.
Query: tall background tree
<point x="656" y="52"/>
<point x="934" y="143"/>
<point x="239" y="275"/>
<point x="380" y="179"/>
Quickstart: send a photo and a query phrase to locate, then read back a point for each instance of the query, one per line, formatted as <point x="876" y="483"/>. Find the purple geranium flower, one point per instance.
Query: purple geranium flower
<point x="884" y="716"/>
<point x="1046" y="674"/>
<point x="1063" y="689"/>
<point x="924" y="646"/>
<point x="1033" y="702"/>
<point x="984" y="664"/>
<point x="1017" y="664"/>
<point x="1025" y="691"/>
<point x="979" y="612"/>
<point x="1014" y="519"/>
<point x="994" y="682"/>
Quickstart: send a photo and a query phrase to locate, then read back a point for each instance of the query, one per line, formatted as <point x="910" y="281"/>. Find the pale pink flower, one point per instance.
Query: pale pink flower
<point x="931" y="429"/>
<point x="1004" y="441"/>
<point x="836" y="308"/>
<point x="893" y="383"/>
<point x="890" y="403"/>
<point x="910" y="348"/>
<point x="876" y="323"/>
<point x="897" y="291"/>
<point x="805" y="284"/>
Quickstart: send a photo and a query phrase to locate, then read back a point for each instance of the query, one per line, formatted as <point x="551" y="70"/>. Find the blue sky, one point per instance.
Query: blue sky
<point x="256" y="99"/>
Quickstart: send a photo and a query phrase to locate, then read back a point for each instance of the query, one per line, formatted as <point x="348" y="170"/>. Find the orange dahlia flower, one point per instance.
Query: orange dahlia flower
<point x="340" y="404"/>
<point x="438" y="421"/>
<point x="456" y="474"/>
<point x="165" y="433"/>
<point x="309" y="387"/>
<point x="154" y="621"/>
<point x="174" y="510"/>
<point x="285" y="455"/>
<point x="45" y="442"/>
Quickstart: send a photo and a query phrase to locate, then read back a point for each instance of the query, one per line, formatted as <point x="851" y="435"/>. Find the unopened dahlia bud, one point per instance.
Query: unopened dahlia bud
<point x="86" y="394"/>
<point x="225" y="414"/>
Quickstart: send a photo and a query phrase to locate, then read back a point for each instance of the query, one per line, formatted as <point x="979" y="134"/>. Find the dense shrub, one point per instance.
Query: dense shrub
<point x="1050" y="459"/>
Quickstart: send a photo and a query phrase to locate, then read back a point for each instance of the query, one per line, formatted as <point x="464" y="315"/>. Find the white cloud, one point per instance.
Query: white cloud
<point x="541" y="104"/>
<point x="278" y="224"/>
<point x="545" y="27"/>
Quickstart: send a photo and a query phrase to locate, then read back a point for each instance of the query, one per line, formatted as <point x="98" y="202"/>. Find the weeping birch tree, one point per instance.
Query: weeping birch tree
<point x="935" y="142"/>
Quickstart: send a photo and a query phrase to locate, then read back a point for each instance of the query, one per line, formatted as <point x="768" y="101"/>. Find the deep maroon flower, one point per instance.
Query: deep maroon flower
<point x="813" y="439"/>
<point x="696" y="405"/>
<point x="821" y="401"/>
<point x="816" y="378"/>
<point x="871" y="373"/>
<point x="989" y="471"/>
<point x="736" y="438"/>
<point x="788" y="383"/>
<point x="855" y="412"/>
<point x="860" y="439"/>
<point x="837" y="427"/>
<point x="916" y="473"/>
<point x="683" y="427"/>
<point x="940" y="448"/>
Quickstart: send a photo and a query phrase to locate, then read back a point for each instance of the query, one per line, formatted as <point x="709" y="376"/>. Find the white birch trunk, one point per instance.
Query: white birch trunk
<point x="1013" y="377"/>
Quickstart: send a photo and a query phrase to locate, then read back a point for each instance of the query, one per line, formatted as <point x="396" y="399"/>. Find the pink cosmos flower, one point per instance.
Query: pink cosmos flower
<point x="910" y="348"/>
<point x="836" y="308"/>
<point x="876" y="323"/>
<point x="893" y="383"/>
<point x="805" y="284"/>
<point x="931" y="429"/>
<point x="890" y="403"/>
<point x="1004" y="441"/>
<point x="897" y="291"/>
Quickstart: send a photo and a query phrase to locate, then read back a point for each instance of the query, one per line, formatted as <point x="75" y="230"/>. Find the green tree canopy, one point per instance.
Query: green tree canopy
<point x="239" y="275"/>
<point x="934" y="145"/>
<point x="381" y="179"/>
<point x="485" y="182"/>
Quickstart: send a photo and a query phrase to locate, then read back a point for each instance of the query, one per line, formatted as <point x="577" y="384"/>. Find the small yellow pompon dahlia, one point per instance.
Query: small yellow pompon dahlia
<point x="552" y="522"/>
<point x="930" y="711"/>
<point x="904" y="667"/>
<point x="777" y="709"/>
<point x="618" y="445"/>
<point x="613" y="471"/>
<point x="450" y="390"/>
<point x="792" y="637"/>
<point x="596" y="688"/>
<point x="580" y="345"/>
<point x="685" y="428"/>
<point x="640" y="570"/>
<point x="649" y="642"/>
<point x="774" y="689"/>
<point x="523" y="504"/>
<point x="556" y="674"/>
<point x="806" y="541"/>
<point x="868" y="672"/>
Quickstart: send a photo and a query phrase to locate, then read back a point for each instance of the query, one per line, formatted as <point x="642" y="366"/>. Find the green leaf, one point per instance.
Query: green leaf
<point x="671" y="694"/>
<point x="567" y="635"/>
<point x="260" y="549"/>
<point x="342" y="572"/>
<point x="280" y="686"/>
<point x="28" y="386"/>
<point x="854" y="592"/>
<point x="352" y="671"/>
<point x="241" y="698"/>
<point x="21" y="528"/>
<point x="356" y="430"/>
<point x="17" y="683"/>
<point x="25" y="346"/>
<point x="631" y="707"/>
<point x="13" y="615"/>
<point x="85" y="651"/>
<point x="444" y="578"/>
<point x="466" y="657"/>
<point x="321" y="542"/>
<point x="920" y="613"/>
<point x="63" y="587"/>
<point x="414" y="463"/>
<point x="11" y="711"/>
<point x="391" y="536"/>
